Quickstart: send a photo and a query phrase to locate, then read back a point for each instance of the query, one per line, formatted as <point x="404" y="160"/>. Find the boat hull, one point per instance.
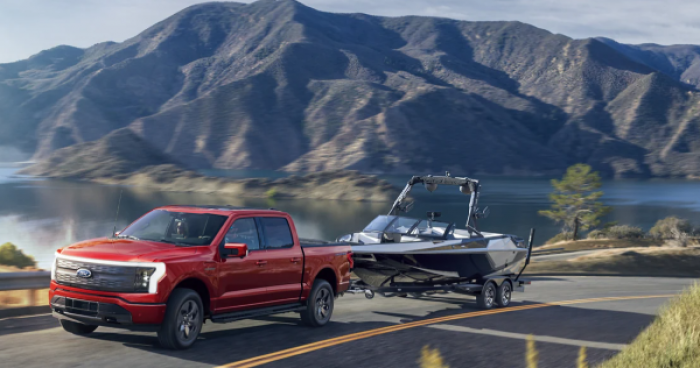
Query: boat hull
<point x="378" y="269"/>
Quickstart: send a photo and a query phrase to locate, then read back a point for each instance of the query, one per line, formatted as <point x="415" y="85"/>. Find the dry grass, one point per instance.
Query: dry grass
<point x="680" y="262"/>
<point x="431" y="358"/>
<point x="581" y="362"/>
<point x="672" y="341"/>
<point x="532" y="356"/>
<point x="587" y="244"/>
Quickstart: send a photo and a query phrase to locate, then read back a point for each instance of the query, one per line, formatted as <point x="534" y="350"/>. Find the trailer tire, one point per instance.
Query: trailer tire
<point x="319" y="306"/>
<point x="184" y="317"/>
<point x="487" y="298"/>
<point x="504" y="294"/>
<point x="77" y="328"/>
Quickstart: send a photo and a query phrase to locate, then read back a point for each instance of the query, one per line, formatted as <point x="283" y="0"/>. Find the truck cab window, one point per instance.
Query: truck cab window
<point x="244" y="231"/>
<point x="277" y="232"/>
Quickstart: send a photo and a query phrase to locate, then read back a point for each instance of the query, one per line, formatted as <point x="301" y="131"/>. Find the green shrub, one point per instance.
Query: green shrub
<point x="11" y="256"/>
<point x="271" y="194"/>
<point x="560" y="237"/>
<point x="618" y="232"/>
<point x="597" y="234"/>
<point x="670" y="228"/>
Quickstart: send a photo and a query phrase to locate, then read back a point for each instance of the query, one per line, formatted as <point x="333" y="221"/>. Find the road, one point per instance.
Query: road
<point x="382" y="332"/>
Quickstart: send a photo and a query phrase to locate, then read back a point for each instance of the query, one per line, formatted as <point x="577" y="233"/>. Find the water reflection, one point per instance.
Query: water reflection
<point x="40" y="216"/>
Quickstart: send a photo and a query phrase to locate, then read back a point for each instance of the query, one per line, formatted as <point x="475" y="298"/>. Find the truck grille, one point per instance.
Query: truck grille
<point x="102" y="278"/>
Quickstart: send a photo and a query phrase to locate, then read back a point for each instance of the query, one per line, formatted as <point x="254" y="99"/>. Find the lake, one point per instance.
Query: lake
<point x="40" y="216"/>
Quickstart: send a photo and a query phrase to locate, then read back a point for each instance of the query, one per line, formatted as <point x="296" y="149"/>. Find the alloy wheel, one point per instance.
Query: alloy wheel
<point x="188" y="321"/>
<point x="505" y="299"/>
<point x="323" y="303"/>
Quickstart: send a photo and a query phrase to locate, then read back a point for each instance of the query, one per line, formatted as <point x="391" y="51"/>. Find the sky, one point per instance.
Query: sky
<point x="29" y="26"/>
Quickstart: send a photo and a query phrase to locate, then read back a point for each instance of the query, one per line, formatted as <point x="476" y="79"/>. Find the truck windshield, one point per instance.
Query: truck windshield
<point x="179" y="228"/>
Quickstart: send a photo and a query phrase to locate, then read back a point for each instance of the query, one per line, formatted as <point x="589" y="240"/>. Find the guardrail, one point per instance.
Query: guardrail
<point x="33" y="280"/>
<point x="29" y="282"/>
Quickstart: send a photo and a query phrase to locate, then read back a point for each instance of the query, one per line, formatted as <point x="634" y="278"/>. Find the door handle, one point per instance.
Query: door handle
<point x="295" y="259"/>
<point x="261" y="263"/>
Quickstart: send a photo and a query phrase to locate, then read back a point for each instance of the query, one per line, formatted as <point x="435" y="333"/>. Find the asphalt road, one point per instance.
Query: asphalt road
<point x="398" y="329"/>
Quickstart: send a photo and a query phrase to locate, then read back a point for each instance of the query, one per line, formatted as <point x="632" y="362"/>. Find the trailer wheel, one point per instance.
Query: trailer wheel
<point x="319" y="306"/>
<point x="504" y="293"/>
<point x="369" y="294"/>
<point x="487" y="298"/>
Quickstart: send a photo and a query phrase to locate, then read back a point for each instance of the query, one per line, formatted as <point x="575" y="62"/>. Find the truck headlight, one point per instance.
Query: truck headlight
<point x="142" y="279"/>
<point x="53" y="269"/>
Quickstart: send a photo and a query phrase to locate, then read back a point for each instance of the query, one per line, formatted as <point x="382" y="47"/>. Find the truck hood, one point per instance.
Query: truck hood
<point x="125" y="250"/>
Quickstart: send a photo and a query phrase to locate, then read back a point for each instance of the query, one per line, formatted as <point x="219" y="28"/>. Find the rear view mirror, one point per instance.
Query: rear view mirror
<point x="236" y="249"/>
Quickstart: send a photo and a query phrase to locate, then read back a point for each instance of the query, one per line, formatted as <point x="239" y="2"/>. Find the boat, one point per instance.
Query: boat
<point x="399" y="253"/>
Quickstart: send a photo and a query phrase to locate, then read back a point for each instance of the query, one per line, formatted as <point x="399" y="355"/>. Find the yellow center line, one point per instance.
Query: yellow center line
<point x="302" y="349"/>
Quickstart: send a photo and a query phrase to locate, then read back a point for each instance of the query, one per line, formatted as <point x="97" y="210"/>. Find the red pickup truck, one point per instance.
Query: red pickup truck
<point x="177" y="266"/>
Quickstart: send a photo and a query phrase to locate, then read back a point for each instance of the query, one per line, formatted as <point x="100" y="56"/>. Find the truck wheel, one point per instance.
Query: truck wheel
<point x="77" y="328"/>
<point x="319" y="306"/>
<point x="183" y="320"/>
<point x="487" y="297"/>
<point x="504" y="293"/>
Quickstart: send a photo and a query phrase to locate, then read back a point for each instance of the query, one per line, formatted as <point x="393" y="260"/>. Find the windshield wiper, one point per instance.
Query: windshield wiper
<point x="127" y="237"/>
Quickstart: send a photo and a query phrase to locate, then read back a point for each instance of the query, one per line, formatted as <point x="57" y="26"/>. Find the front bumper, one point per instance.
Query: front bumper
<point x="105" y="311"/>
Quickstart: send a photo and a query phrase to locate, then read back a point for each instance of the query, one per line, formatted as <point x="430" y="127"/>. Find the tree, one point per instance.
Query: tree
<point x="11" y="256"/>
<point x="575" y="200"/>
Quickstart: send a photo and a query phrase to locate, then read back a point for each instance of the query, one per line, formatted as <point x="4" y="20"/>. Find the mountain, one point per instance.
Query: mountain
<point x="121" y="152"/>
<point x="278" y="85"/>
<point x="123" y="158"/>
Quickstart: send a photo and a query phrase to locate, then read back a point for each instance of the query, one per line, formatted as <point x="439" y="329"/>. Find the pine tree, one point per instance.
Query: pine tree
<point x="575" y="200"/>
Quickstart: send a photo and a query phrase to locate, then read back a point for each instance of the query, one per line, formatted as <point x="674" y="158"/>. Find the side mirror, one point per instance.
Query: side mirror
<point x="236" y="249"/>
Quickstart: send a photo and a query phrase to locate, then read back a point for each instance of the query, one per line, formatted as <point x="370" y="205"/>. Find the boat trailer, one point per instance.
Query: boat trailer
<point x="474" y="287"/>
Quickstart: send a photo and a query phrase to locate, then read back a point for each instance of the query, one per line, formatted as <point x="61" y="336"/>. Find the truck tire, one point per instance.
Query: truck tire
<point x="184" y="317"/>
<point x="319" y="306"/>
<point x="487" y="298"/>
<point x="504" y="293"/>
<point x="77" y="328"/>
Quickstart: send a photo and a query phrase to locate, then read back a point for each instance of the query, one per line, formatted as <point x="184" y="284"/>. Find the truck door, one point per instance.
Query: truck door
<point x="285" y="260"/>
<point x="242" y="284"/>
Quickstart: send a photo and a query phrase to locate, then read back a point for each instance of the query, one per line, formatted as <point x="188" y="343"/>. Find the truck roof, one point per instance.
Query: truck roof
<point x="218" y="209"/>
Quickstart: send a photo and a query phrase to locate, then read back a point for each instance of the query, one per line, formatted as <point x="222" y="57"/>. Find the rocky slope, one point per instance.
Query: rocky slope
<point x="278" y="85"/>
<point x="122" y="158"/>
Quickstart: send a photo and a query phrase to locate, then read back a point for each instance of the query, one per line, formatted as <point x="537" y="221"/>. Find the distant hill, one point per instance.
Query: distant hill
<point x="116" y="154"/>
<point x="122" y="158"/>
<point x="278" y="85"/>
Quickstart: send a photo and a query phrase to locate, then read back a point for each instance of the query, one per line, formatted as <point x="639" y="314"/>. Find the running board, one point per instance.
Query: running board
<point x="260" y="312"/>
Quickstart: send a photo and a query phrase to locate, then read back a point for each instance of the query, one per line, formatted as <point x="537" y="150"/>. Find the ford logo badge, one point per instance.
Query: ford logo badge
<point x="84" y="272"/>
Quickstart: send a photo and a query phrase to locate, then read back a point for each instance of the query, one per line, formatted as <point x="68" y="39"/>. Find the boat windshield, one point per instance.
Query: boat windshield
<point x="390" y="224"/>
<point x="184" y="229"/>
<point x="436" y="229"/>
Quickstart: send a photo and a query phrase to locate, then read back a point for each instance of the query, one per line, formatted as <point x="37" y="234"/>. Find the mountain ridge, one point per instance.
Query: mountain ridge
<point x="279" y="85"/>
